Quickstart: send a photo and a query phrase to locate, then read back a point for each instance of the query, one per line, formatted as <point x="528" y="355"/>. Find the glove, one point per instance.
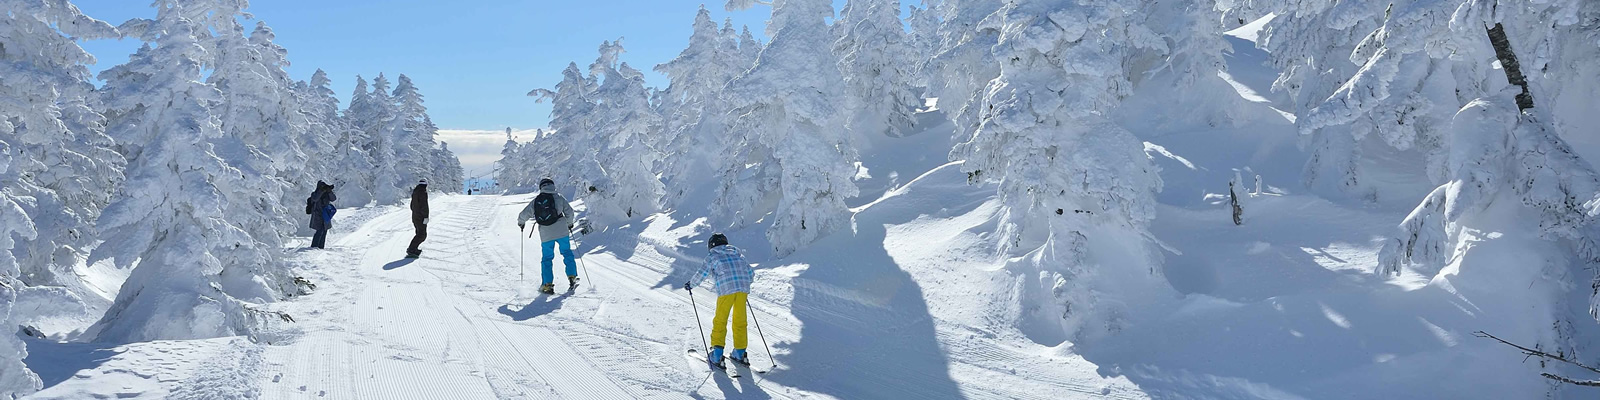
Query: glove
<point x="520" y="227"/>
<point x="688" y="287"/>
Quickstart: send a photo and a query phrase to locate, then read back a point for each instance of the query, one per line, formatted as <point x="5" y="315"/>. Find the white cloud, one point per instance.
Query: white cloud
<point x="478" y="150"/>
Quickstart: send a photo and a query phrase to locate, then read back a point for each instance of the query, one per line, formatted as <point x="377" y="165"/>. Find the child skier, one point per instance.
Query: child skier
<point x="732" y="276"/>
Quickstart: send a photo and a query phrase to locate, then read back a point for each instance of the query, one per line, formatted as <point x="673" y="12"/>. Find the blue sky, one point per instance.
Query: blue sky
<point x="475" y="60"/>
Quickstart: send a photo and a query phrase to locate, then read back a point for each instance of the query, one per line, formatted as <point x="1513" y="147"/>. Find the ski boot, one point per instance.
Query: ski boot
<point x="572" y="282"/>
<point x="740" y="356"/>
<point x="414" y="254"/>
<point x="715" y="358"/>
<point x="548" y="288"/>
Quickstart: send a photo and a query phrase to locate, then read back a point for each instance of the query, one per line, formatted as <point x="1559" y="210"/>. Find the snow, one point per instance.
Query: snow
<point x="1060" y="227"/>
<point x="906" y="302"/>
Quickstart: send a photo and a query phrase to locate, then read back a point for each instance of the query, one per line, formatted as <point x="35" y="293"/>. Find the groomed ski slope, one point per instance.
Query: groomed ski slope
<point x="458" y="324"/>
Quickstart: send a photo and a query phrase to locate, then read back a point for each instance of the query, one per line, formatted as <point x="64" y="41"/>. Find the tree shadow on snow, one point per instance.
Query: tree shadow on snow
<point x="392" y="265"/>
<point x="540" y="306"/>
<point x="866" y="331"/>
<point x="56" y="362"/>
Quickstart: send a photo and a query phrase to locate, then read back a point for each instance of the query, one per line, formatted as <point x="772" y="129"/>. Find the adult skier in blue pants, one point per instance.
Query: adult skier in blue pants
<point x="554" y="215"/>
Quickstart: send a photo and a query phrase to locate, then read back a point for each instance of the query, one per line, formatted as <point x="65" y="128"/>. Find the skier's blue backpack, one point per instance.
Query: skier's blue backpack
<point x="328" y="211"/>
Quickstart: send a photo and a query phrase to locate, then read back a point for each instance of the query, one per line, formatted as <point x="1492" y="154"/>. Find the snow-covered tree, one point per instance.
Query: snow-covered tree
<point x="377" y="121"/>
<point x="1312" y="42"/>
<point x="446" y="169"/>
<point x="65" y="169"/>
<point x="567" y="155"/>
<point x="332" y="145"/>
<point x="1072" y="180"/>
<point x="692" y="106"/>
<point x="170" y="218"/>
<point x="1494" y="148"/>
<point x="359" y="147"/>
<point x="627" y="131"/>
<point x="923" y="39"/>
<point x="412" y="134"/>
<point x="511" y="170"/>
<point x="787" y="103"/>
<point x="876" y="60"/>
<point x="261" y="127"/>
<point x="258" y="109"/>
<point x="15" y="378"/>
<point x="749" y="49"/>
<point x="964" y="61"/>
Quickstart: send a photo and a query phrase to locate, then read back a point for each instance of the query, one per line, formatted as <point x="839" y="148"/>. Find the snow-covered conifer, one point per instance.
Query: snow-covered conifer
<point x="377" y="122"/>
<point x="692" y="105"/>
<point x="15" y="378"/>
<point x="447" y="173"/>
<point x="261" y="127"/>
<point x="358" y="175"/>
<point x="171" y="217"/>
<point x="923" y="39"/>
<point x="413" y="136"/>
<point x="625" y="136"/>
<point x="787" y="103"/>
<point x="567" y="154"/>
<point x="876" y="61"/>
<point x="749" y="48"/>
<point x="333" y="145"/>
<point x="63" y="163"/>
<point x="1070" y="177"/>
<point x="510" y="170"/>
<point x="964" y="60"/>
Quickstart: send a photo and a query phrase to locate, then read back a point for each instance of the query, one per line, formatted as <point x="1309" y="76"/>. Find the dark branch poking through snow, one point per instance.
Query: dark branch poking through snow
<point x="1548" y="356"/>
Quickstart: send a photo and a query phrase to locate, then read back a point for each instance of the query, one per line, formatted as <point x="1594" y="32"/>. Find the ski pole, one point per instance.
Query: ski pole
<point x="703" y="345"/>
<point x="586" y="274"/>
<point x="521" y="257"/>
<point x="763" y="335"/>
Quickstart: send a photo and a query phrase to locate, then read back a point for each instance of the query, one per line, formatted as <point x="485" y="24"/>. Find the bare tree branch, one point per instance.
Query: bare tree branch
<point x="1541" y="354"/>
<point x="1560" y="378"/>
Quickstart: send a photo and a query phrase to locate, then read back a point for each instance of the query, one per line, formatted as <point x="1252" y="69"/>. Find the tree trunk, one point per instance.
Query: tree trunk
<point x="1508" y="63"/>
<point x="1238" y="212"/>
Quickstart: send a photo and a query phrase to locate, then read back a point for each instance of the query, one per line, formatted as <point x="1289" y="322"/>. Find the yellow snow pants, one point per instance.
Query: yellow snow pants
<point x="733" y="303"/>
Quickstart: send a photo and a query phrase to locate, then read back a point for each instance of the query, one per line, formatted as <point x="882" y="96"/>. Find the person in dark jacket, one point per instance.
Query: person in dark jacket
<point x="419" y="217"/>
<point x="318" y="206"/>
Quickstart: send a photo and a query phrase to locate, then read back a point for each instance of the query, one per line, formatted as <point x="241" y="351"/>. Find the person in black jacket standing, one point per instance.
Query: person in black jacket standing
<point x="419" y="218"/>
<point x="320" y="207"/>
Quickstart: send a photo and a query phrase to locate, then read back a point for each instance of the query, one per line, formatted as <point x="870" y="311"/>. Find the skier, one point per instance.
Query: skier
<point x="419" y="218"/>
<point x="320" y="207"/>
<point x="732" y="274"/>
<point x="554" y="215"/>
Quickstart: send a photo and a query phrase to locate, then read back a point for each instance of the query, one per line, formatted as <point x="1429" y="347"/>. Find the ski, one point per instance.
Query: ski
<point x="694" y="354"/>
<point x="746" y="365"/>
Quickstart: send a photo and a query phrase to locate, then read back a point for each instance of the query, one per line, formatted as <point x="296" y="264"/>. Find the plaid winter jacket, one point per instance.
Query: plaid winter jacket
<point x="728" y="268"/>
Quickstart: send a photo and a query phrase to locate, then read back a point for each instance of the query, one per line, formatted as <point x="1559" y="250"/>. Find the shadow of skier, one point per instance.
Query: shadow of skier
<point x="539" y="306"/>
<point x="747" y="388"/>
<point x="392" y="265"/>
